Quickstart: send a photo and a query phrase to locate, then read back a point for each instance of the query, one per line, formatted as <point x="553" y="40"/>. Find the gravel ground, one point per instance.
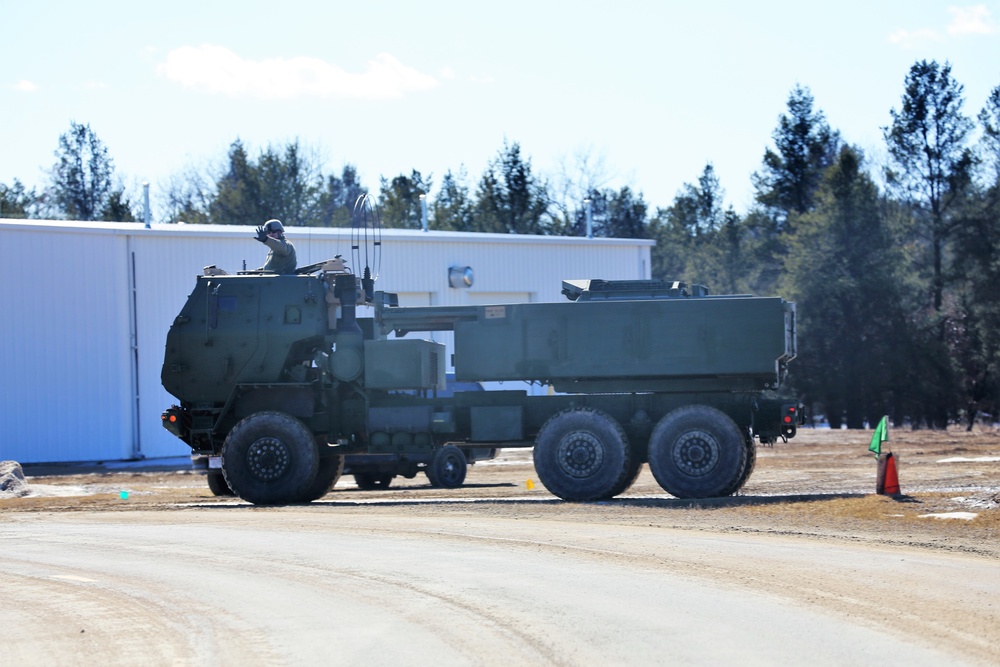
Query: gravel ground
<point x="820" y="484"/>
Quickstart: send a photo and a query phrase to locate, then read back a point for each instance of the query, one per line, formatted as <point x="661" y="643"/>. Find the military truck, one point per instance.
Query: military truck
<point x="278" y="378"/>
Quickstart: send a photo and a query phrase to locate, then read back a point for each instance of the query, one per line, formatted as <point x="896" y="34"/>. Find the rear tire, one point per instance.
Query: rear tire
<point x="697" y="451"/>
<point x="628" y="480"/>
<point x="448" y="467"/>
<point x="270" y="458"/>
<point x="583" y="454"/>
<point x="217" y="484"/>
<point x="750" y="464"/>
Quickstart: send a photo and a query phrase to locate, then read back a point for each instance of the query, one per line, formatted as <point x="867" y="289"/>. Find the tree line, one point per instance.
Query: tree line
<point x="895" y="267"/>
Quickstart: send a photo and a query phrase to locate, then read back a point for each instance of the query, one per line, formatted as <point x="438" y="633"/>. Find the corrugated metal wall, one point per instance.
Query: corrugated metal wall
<point x="76" y="295"/>
<point x="65" y="370"/>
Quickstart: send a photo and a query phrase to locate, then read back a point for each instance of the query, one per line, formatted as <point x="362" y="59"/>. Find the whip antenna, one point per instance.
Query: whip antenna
<point x="366" y="242"/>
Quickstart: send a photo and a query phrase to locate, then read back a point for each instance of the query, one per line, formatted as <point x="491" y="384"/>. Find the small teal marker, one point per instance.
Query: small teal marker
<point x="123" y="495"/>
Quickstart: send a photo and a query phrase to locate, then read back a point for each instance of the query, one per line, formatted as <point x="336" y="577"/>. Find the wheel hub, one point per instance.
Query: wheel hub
<point x="268" y="459"/>
<point x="696" y="453"/>
<point x="580" y="454"/>
<point x="449" y="468"/>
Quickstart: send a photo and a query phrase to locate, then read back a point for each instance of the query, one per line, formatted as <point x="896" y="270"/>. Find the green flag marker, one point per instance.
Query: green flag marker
<point x="880" y="435"/>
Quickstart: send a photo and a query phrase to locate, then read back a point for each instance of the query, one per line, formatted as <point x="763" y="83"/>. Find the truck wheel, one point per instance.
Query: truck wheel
<point x="270" y="458"/>
<point x="370" y="481"/>
<point x="217" y="484"/>
<point x="327" y="473"/>
<point x="632" y="474"/>
<point x="697" y="451"/>
<point x="751" y="447"/>
<point x="583" y="454"/>
<point x="448" y="467"/>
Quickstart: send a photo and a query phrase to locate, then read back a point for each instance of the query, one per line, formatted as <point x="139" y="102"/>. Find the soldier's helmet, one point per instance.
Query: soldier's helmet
<point x="274" y="226"/>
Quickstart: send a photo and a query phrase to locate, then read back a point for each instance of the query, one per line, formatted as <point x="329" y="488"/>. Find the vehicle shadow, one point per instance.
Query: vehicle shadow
<point x="423" y="487"/>
<point x="665" y="502"/>
<point x="732" y="501"/>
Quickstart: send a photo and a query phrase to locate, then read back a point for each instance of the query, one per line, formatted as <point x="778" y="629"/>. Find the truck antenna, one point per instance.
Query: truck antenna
<point x="366" y="242"/>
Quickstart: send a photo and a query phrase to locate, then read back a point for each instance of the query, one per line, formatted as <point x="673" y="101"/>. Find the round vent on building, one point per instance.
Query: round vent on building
<point x="460" y="276"/>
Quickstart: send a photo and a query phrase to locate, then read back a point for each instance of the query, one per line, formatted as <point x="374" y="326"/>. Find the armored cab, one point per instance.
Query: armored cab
<point x="234" y="330"/>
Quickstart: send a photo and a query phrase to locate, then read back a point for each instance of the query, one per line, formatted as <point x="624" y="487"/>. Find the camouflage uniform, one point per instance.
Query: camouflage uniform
<point x="280" y="256"/>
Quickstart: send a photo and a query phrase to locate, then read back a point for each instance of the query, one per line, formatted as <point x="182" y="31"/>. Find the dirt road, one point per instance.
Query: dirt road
<point x="806" y="565"/>
<point x="328" y="585"/>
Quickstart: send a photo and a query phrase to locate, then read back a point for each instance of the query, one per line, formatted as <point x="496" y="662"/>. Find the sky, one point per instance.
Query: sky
<point x="640" y="93"/>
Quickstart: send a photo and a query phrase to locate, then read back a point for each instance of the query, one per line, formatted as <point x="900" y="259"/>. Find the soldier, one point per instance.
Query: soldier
<point x="281" y="253"/>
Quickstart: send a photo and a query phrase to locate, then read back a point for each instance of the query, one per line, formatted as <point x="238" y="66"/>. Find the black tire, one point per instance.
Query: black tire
<point x="751" y="463"/>
<point x="217" y="484"/>
<point x="632" y="474"/>
<point x="448" y="467"/>
<point x="371" y="481"/>
<point x="328" y="471"/>
<point x="697" y="451"/>
<point x="270" y="458"/>
<point x="583" y="454"/>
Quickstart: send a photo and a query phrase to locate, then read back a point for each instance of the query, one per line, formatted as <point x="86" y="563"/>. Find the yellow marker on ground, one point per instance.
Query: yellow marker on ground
<point x="530" y="485"/>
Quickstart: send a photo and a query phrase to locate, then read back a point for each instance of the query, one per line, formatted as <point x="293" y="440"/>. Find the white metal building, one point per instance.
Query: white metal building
<point x="86" y="308"/>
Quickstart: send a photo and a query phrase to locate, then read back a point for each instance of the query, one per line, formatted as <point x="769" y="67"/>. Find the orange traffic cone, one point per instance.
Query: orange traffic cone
<point x="891" y="476"/>
<point x="887" y="481"/>
<point x="880" y="475"/>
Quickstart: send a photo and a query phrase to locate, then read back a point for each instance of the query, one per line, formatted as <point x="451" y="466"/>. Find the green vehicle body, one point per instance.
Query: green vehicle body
<point x="279" y="380"/>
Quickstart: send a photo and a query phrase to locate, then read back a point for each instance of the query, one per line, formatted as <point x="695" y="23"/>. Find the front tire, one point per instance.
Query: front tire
<point x="327" y="473"/>
<point x="697" y="451"/>
<point x="583" y="454"/>
<point x="270" y="458"/>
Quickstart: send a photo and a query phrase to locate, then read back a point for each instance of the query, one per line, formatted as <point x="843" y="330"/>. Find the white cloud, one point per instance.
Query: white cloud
<point x="911" y="38"/>
<point x="974" y="20"/>
<point x="25" y="86"/>
<point x="216" y="69"/>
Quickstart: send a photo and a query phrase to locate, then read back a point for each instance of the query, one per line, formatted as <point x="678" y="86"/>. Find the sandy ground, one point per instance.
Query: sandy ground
<point x="820" y="484"/>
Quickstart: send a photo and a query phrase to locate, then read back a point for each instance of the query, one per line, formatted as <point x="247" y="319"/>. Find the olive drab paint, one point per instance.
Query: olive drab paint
<point x="640" y="371"/>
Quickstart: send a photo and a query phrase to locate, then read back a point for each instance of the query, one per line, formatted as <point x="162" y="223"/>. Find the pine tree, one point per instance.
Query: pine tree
<point x="805" y="148"/>
<point x="453" y="207"/>
<point x="843" y="273"/>
<point x="510" y="198"/>
<point x="81" y="178"/>
<point x="16" y="201"/>
<point x="400" y="200"/>
<point x="931" y="162"/>
<point x="237" y="198"/>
